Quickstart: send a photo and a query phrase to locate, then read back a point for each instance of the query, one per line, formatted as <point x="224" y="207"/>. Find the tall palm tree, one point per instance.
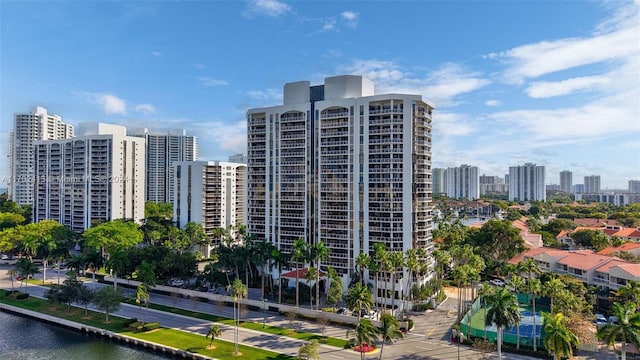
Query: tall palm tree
<point x="280" y="258"/>
<point x="627" y="328"/>
<point x="534" y="287"/>
<point x="558" y="339"/>
<point x="630" y="293"/>
<point x="529" y="266"/>
<point x="396" y="260"/>
<point x="364" y="334"/>
<point x="517" y="284"/>
<point x="381" y="257"/>
<point x="238" y="290"/>
<point x="358" y="298"/>
<point x="389" y="330"/>
<point x="320" y="252"/>
<point x="485" y="292"/>
<point x="117" y="264"/>
<point x="299" y="255"/>
<point x="93" y="260"/>
<point x="263" y="250"/>
<point x="362" y="262"/>
<point x="553" y="289"/>
<point x="214" y="331"/>
<point x="412" y="261"/>
<point x="503" y="312"/>
<point x="142" y="297"/>
<point x="309" y="277"/>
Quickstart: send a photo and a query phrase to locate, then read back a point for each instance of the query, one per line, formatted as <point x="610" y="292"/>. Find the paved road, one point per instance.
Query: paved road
<point x="429" y="339"/>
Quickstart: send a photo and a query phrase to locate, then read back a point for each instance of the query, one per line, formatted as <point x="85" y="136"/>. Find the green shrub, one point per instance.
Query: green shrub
<point x="410" y="324"/>
<point x="136" y="325"/>
<point x="128" y="322"/>
<point x="329" y="309"/>
<point x="150" y="326"/>
<point x="22" y="296"/>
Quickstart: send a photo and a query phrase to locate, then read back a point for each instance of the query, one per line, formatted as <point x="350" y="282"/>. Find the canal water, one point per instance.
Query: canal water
<point x="23" y="338"/>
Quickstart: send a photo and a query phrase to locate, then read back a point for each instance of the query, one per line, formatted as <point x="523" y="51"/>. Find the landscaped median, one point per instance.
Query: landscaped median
<point x="173" y="341"/>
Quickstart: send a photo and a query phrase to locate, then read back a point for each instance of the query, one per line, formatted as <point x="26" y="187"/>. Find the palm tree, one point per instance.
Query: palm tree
<point x="299" y="255"/>
<point x="280" y="258"/>
<point x="630" y="293"/>
<point x="553" y="288"/>
<point x="517" y="284"/>
<point x="319" y="253"/>
<point x="309" y="277"/>
<point x="238" y="290"/>
<point x="503" y="312"/>
<point x="534" y="287"/>
<point x="558" y="339"/>
<point x="214" y="331"/>
<point x="12" y="273"/>
<point x="146" y="275"/>
<point x="413" y="265"/>
<point x="93" y="260"/>
<point x="117" y="264"/>
<point x="362" y="262"/>
<point x="364" y="334"/>
<point x="263" y="250"/>
<point x="485" y="292"/>
<point x="76" y="263"/>
<point x="142" y="297"/>
<point x="396" y="260"/>
<point x="309" y="351"/>
<point x="529" y="266"/>
<point x="627" y="328"/>
<point x="380" y="261"/>
<point x="358" y="298"/>
<point x="25" y="269"/>
<point x="389" y="330"/>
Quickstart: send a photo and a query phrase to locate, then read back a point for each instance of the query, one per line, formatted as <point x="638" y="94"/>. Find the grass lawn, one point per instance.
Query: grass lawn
<point x="251" y="325"/>
<point x="170" y="337"/>
<point x="198" y="344"/>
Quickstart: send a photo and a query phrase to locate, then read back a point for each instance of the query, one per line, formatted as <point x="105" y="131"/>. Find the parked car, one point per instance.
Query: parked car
<point x="496" y="282"/>
<point x="4" y="257"/>
<point x="177" y="282"/>
<point x="343" y="311"/>
<point x="600" y="320"/>
<point x="371" y="315"/>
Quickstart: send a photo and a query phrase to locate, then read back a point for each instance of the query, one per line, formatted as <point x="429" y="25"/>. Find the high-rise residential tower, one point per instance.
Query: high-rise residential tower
<point x="95" y="177"/>
<point x="439" y="179"/>
<point x="634" y="186"/>
<point x="336" y="163"/>
<point x="209" y="193"/>
<point x="527" y="183"/>
<point x="162" y="151"/>
<point x="27" y="129"/>
<point x="566" y="181"/>
<point x="463" y="182"/>
<point x="592" y="184"/>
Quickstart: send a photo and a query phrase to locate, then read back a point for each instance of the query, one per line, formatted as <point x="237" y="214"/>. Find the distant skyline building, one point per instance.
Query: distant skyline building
<point x="336" y="163"/>
<point x="96" y="177"/>
<point x="209" y="193"/>
<point x="578" y="188"/>
<point x="463" y="182"/>
<point x="27" y="129"/>
<point x="238" y="158"/>
<point x="527" y="183"/>
<point x="566" y="181"/>
<point x="634" y="186"/>
<point x="439" y="180"/>
<point x="592" y="184"/>
<point x="163" y="149"/>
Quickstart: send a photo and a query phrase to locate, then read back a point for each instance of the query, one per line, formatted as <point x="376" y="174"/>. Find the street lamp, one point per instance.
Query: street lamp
<point x="264" y="313"/>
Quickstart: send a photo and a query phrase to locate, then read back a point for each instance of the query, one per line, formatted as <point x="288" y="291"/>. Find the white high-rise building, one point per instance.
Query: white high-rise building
<point x="162" y="151"/>
<point x="463" y="182"/>
<point x="527" y="183"/>
<point x="27" y="129"/>
<point x="209" y="193"/>
<point x="566" y="181"/>
<point x="95" y="177"/>
<point x="634" y="186"/>
<point x="592" y="184"/>
<point x="336" y="163"/>
<point x="439" y="179"/>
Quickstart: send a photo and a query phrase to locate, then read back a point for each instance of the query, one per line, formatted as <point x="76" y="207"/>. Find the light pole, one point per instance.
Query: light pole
<point x="264" y="312"/>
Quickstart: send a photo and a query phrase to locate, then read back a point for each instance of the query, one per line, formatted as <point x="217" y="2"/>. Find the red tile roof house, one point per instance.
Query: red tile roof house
<point x="585" y="265"/>
<point x="631" y="248"/>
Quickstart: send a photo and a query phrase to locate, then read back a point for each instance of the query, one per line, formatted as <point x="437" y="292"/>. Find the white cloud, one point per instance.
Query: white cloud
<point x="329" y="25"/>
<point x="265" y="95"/>
<point x="545" y="89"/>
<point x="271" y="8"/>
<point x="145" y="108"/>
<point x="440" y="86"/>
<point x="610" y="42"/>
<point x="207" y="81"/>
<point x="493" y="102"/>
<point x="156" y="53"/>
<point x="199" y="66"/>
<point x="229" y="136"/>
<point x="351" y="18"/>
<point x="111" y="104"/>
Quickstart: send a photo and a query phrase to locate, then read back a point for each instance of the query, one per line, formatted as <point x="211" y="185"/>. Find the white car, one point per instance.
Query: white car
<point x="496" y="282"/>
<point x="177" y="282"/>
<point x="4" y="257"/>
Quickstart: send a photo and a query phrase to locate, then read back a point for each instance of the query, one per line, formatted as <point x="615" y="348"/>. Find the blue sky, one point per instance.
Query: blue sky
<point x="554" y="83"/>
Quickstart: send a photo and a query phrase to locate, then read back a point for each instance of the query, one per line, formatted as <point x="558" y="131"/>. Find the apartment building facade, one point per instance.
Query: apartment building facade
<point x="527" y="183"/>
<point x="592" y="184"/>
<point x="209" y="193"/>
<point x="338" y="164"/>
<point x="463" y="182"/>
<point x="566" y="181"/>
<point x="95" y="177"/>
<point x="162" y="151"/>
<point x="27" y="129"/>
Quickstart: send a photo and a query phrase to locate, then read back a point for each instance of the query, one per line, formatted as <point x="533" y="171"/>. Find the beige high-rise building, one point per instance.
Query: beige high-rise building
<point x="95" y="177"/>
<point x="338" y="164"/>
<point x="27" y="129"/>
<point x="209" y="193"/>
